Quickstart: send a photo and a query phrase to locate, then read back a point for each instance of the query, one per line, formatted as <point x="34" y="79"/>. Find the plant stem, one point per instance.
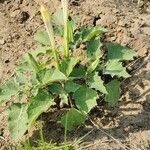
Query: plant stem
<point x="47" y="21"/>
<point x="65" y="134"/>
<point x="65" y="16"/>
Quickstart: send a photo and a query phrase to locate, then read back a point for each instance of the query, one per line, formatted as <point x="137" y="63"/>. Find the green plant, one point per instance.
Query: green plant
<point x="70" y="73"/>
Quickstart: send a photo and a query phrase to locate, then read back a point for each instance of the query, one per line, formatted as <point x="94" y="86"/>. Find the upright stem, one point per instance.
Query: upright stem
<point x="65" y="16"/>
<point x="65" y="134"/>
<point x="51" y="36"/>
<point x="47" y="21"/>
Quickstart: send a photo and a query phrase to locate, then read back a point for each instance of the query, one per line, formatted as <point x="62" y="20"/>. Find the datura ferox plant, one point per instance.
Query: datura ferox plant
<point x="68" y="68"/>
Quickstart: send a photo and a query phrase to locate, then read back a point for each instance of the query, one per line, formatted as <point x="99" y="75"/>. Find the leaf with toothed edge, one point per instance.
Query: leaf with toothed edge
<point x="97" y="83"/>
<point x="42" y="37"/>
<point x="113" y="67"/>
<point x="85" y="98"/>
<point x="37" y="105"/>
<point x="118" y="52"/>
<point x="17" y="120"/>
<point x="113" y="89"/>
<point x="73" y="118"/>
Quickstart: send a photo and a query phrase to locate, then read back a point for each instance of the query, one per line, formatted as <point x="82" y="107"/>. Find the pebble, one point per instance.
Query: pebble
<point x="2" y="42"/>
<point x="146" y="23"/>
<point x="146" y="30"/>
<point x="15" y="13"/>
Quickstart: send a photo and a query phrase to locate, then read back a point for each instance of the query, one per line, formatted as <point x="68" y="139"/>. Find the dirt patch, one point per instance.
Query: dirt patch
<point x="127" y="125"/>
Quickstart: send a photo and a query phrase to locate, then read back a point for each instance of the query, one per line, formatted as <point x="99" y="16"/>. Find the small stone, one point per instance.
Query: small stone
<point x="145" y="23"/>
<point x="15" y="13"/>
<point x="146" y="30"/>
<point x="121" y="23"/>
<point x="2" y="41"/>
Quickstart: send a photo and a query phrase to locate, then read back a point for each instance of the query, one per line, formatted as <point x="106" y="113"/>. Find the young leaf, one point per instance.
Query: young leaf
<point x="42" y="37"/>
<point x="38" y="105"/>
<point x="93" y="66"/>
<point x="68" y="64"/>
<point x="53" y="76"/>
<point x="97" y="83"/>
<point x="93" y="32"/>
<point x="70" y="86"/>
<point x="40" y="75"/>
<point x="17" y="120"/>
<point x="118" y="52"/>
<point x="55" y="88"/>
<point x="78" y="73"/>
<point x="57" y="76"/>
<point x="113" y="89"/>
<point x="9" y="89"/>
<point x="73" y="118"/>
<point x="34" y="63"/>
<point x="113" y="67"/>
<point x="85" y="98"/>
<point x="93" y="47"/>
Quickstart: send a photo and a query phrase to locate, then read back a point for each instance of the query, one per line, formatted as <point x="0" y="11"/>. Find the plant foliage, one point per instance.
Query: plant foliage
<point x="71" y="72"/>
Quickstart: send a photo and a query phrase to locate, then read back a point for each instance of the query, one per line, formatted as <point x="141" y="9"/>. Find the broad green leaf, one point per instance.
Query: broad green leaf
<point x="57" y="76"/>
<point x="97" y="83"/>
<point x="35" y="91"/>
<point x="40" y="50"/>
<point x="42" y="37"/>
<point x="17" y="120"/>
<point x="93" y="66"/>
<point x="118" y="52"/>
<point x="113" y="89"/>
<point x="26" y="74"/>
<point x="70" y="86"/>
<point x="85" y="98"/>
<point x="93" y="32"/>
<point x="93" y="47"/>
<point x="73" y="118"/>
<point x="53" y="76"/>
<point x="57" y="17"/>
<point x="113" y="67"/>
<point x="34" y="81"/>
<point x="24" y="65"/>
<point x="58" y="22"/>
<point x="77" y="39"/>
<point x="27" y="82"/>
<point x="40" y="74"/>
<point x="55" y="88"/>
<point x="68" y="64"/>
<point x="21" y="78"/>
<point x="78" y="73"/>
<point x="37" y="105"/>
<point x="59" y="31"/>
<point x="9" y="89"/>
